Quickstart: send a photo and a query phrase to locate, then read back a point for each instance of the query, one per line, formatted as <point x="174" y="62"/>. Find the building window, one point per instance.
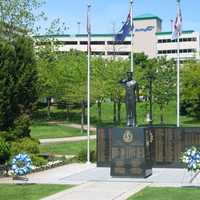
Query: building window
<point x="121" y="53"/>
<point x="70" y="43"/>
<point x="119" y="43"/>
<point x="181" y="40"/>
<point x="83" y="42"/>
<point x="98" y="53"/>
<point x="97" y="42"/>
<point x="65" y="42"/>
<point x="93" y="42"/>
<point x="174" y="51"/>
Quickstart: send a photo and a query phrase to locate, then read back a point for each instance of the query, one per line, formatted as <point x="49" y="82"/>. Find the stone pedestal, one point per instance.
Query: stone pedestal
<point x="130" y="153"/>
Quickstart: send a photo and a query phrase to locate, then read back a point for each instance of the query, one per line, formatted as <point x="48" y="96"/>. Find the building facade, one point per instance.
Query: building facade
<point x="148" y="38"/>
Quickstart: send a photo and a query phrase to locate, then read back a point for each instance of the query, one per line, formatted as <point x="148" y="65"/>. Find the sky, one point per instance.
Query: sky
<point x="105" y="13"/>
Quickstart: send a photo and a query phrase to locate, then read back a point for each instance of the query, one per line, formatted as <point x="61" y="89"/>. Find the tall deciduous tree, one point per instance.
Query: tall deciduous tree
<point x="19" y="15"/>
<point x="190" y="90"/>
<point x="47" y="62"/>
<point x="99" y="81"/>
<point x="164" y="84"/>
<point x="116" y="70"/>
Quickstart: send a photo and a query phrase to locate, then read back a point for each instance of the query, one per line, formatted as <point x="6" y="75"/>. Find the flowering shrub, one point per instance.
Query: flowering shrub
<point x="191" y="158"/>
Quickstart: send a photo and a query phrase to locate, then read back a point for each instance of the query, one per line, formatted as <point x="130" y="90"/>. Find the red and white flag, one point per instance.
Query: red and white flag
<point x="177" y="28"/>
<point x="88" y="28"/>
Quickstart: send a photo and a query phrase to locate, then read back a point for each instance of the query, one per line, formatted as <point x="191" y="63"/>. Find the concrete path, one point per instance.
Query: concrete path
<point x="99" y="191"/>
<point x="94" y="183"/>
<point x="78" y="126"/>
<point x="66" y="139"/>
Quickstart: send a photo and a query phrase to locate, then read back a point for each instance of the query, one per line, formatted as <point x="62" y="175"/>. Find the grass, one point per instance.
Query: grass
<point x="42" y="129"/>
<point x="29" y="191"/>
<point x="150" y="193"/>
<point x="142" y="110"/>
<point x="67" y="148"/>
<point x="45" y="130"/>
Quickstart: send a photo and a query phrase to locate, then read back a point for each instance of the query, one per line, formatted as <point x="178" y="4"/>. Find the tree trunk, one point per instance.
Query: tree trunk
<point x="82" y="117"/>
<point x="99" y="110"/>
<point x="114" y="112"/>
<point x="161" y="115"/>
<point x="119" y="112"/>
<point x="67" y="112"/>
<point x="49" y="107"/>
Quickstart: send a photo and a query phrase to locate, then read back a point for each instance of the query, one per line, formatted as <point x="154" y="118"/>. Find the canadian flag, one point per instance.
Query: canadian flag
<point x="177" y="28"/>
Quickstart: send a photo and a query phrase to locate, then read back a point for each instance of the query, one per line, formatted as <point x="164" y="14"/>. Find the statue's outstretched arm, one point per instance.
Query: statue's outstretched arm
<point x="123" y="81"/>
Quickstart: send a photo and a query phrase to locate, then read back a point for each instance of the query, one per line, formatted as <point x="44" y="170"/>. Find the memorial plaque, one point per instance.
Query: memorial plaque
<point x="162" y="145"/>
<point x="104" y="138"/>
<point x="130" y="153"/>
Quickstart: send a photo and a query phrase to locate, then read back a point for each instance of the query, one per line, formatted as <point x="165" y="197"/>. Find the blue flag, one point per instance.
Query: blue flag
<point x="125" y="30"/>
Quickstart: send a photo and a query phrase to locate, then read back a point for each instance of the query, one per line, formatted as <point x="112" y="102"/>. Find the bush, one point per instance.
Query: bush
<point x="38" y="160"/>
<point x="29" y="146"/>
<point x="21" y="126"/>
<point x="82" y="156"/>
<point x="25" y="145"/>
<point x="4" y="151"/>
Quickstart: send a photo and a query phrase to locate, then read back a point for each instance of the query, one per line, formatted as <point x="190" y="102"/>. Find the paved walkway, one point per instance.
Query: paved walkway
<point x="78" y="126"/>
<point x="66" y="139"/>
<point x="96" y="183"/>
<point x="99" y="191"/>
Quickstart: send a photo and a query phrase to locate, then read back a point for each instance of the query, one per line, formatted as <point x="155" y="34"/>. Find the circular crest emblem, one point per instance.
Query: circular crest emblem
<point x="127" y="136"/>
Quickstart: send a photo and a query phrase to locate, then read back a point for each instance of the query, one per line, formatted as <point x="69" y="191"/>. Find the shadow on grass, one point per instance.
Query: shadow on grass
<point x="40" y="118"/>
<point x="192" y="121"/>
<point x="191" y="187"/>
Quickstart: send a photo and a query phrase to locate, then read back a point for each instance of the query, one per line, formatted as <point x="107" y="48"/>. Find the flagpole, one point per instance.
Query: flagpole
<point x="131" y="2"/>
<point x="88" y="84"/>
<point x="178" y="81"/>
<point x="178" y="71"/>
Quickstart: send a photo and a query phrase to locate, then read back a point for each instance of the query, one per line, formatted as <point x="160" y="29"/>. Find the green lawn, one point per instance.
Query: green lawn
<point x="107" y="118"/>
<point x="150" y="193"/>
<point x="29" y="191"/>
<point x="45" y="130"/>
<point x="142" y="110"/>
<point x="67" y="148"/>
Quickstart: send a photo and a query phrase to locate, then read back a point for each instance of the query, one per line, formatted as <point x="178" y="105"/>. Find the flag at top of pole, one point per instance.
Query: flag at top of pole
<point x="125" y="30"/>
<point x="88" y="28"/>
<point x="177" y="27"/>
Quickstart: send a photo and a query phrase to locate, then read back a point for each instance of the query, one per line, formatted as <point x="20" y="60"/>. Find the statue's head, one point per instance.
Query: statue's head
<point x="130" y="76"/>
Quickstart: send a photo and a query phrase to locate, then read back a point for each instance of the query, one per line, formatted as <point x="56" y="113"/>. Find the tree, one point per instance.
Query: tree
<point x="190" y="90"/>
<point x="164" y="84"/>
<point x="18" y="80"/>
<point x="115" y="71"/>
<point x="47" y="61"/>
<point x="76" y="62"/>
<point x="99" y="81"/>
<point x="18" y="15"/>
